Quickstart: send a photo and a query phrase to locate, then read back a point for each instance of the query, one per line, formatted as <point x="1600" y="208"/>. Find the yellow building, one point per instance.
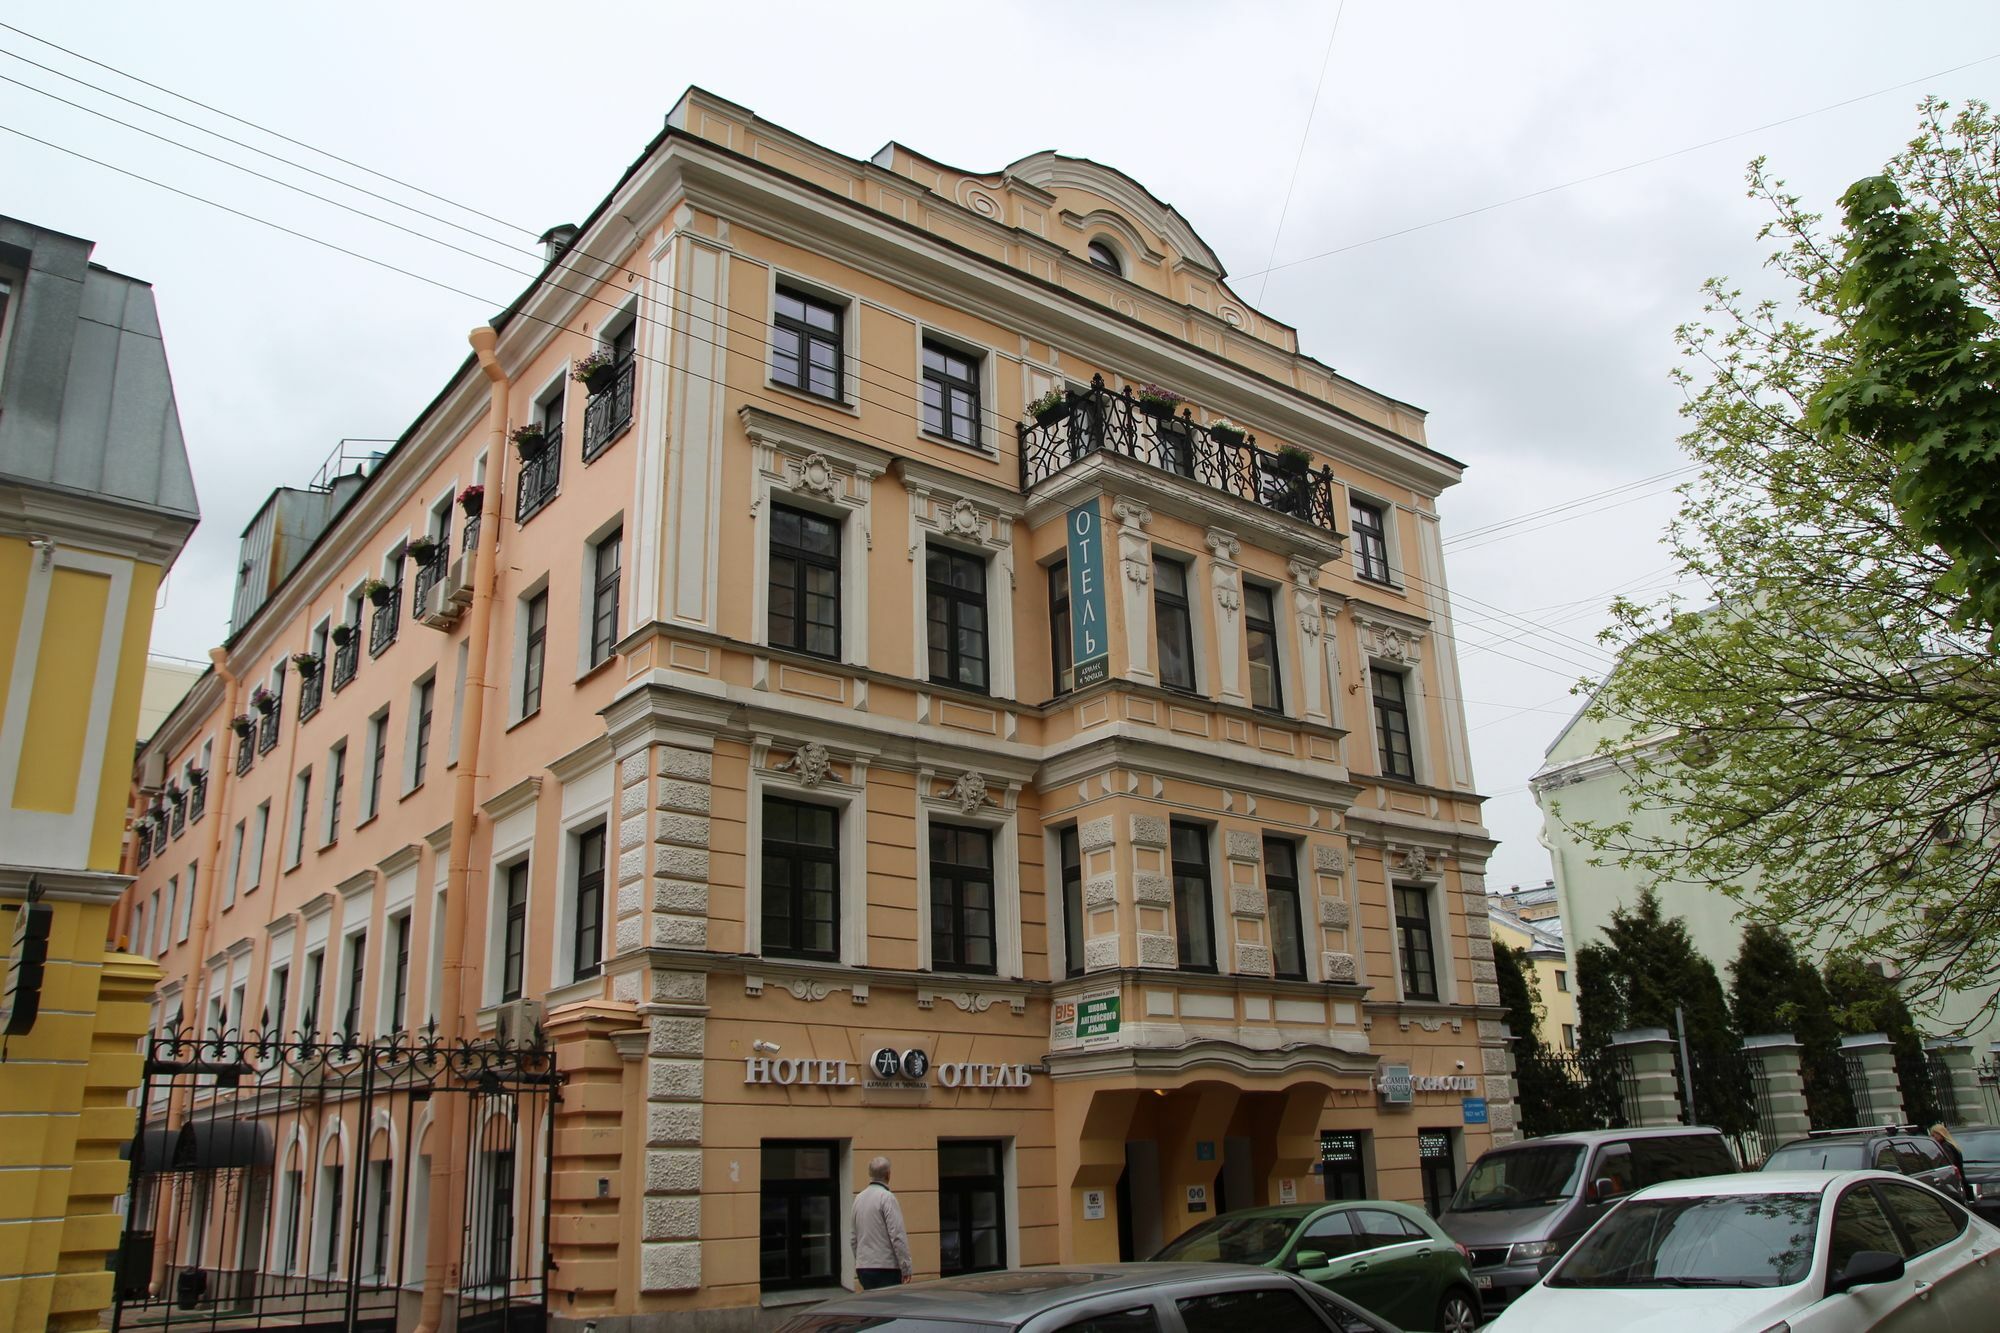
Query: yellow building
<point x="1530" y="923"/>
<point x="856" y="692"/>
<point x="95" y="502"/>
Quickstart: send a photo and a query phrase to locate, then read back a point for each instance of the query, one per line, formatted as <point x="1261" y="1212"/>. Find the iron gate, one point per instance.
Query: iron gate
<point x="286" y="1183"/>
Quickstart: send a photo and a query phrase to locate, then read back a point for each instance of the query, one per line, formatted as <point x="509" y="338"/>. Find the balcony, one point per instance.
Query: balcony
<point x="471" y="532"/>
<point x="1099" y="421"/>
<point x="346" y="660"/>
<point x="245" y="743"/>
<point x="312" y="689"/>
<point x="607" y="415"/>
<point x="267" y="731"/>
<point x="541" y="478"/>
<point x="428" y="574"/>
<point x="198" y="798"/>
<point x="383" y="622"/>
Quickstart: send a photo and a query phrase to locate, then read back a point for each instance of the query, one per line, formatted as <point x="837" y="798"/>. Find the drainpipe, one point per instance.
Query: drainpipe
<point x="447" y="1164"/>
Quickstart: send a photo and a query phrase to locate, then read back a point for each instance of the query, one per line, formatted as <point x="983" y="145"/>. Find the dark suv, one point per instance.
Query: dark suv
<point x="1904" y="1149"/>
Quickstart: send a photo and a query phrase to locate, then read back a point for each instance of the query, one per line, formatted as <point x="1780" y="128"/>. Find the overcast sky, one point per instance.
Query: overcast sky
<point x="1538" y="335"/>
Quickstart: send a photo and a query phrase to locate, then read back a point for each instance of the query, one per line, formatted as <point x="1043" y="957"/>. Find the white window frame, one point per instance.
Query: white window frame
<point x="296" y="816"/>
<point x="999" y="619"/>
<point x="1442" y="966"/>
<point x="385" y="982"/>
<point x="850" y="353"/>
<point x="946" y="509"/>
<point x="371" y="796"/>
<point x="517" y="690"/>
<point x="586" y="802"/>
<point x="187" y="902"/>
<point x="811" y="470"/>
<point x="1413" y="707"/>
<point x="984" y="432"/>
<point x="410" y="729"/>
<point x="587" y="595"/>
<point x="238" y="837"/>
<point x="496" y="923"/>
<point x="1390" y="534"/>
<point x="850" y="798"/>
<point x="263" y="846"/>
<point x="1291" y="683"/>
<point x="1199" y="630"/>
<point x="344" y="987"/>
<point x="336" y="776"/>
<point x="1002" y="821"/>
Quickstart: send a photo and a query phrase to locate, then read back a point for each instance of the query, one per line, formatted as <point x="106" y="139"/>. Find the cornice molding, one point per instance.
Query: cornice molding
<point x="403" y="858"/>
<point x="586" y="758"/>
<point x="515" y="798"/>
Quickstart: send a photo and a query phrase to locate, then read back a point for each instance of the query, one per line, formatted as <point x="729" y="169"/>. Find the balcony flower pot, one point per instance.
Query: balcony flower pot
<point x="422" y="551"/>
<point x="243" y="724"/>
<point x="1049" y="407"/>
<point x="307" y="663"/>
<point x="1293" y="461"/>
<point x="378" y="592"/>
<point x="594" y="372"/>
<point x="1158" y="401"/>
<point x="471" y="498"/>
<point x="529" y="442"/>
<point x="1226" y="431"/>
<point x="264" y="701"/>
<point x="342" y="635"/>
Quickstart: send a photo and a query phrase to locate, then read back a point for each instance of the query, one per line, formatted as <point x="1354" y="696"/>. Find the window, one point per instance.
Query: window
<point x="961" y="898"/>
<point x="287" y="1258"/>
<point x="1569" y="1036"/>
<point x="1392" y="723"/>
<point x="336" y="785"/>
<point x="1267" y="1309"/>
<point x="535" y="633"/>
<point x="301" y="811"/>
<point x="383" y="1188"/>
<point x="187" y="904"/>
<point x="399" y="976"/>
<point x="1072" y="902"/>
<point x="1859" y="1224"/>
<point x="1343" y="1156"/>
<point x="420" y="731"/>
<point x="806" y="343"/>
<point x="972" y="1230"/>
<point x="1194" y="913"/>
<point x="1371" y="540"/>
<point x="1260" y="624"/>
<point x="378" y="754"/>
<point x="310" y="996"/>
<point x="514" y="931"/>
<point x="951" y="393"/>
<point x="1101" y="254"/>
<point x="154" y="942"/>
<point x="1281" y="889"/>
<point x="798" y="1199"/>
<point x="805" y="582"/>
<point x="801" y="880"/>
<point x="237" y="838"/>
<point x="1172" y="627"/>
<point x="1437" y="1164"/>
<point x="606" y="559"/>
<point x="274" y="1000"/>
<point x="357" y="962"/>
<point x="1562" y="980"/>
<point x="1927" y="1219"/>
<point x="331" y="1181"/>
<point x="541" y="474"/>
<point x="260" y="825"/>
<point x="587" y="939"/>
<point x="1414" y="943"/>
<point x="1062" y="645"/>
<point x="957" y="618"/>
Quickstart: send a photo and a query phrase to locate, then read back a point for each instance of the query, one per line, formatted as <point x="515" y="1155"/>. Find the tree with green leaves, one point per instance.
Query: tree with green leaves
<point x="1772" y="989"/>
<point x="1647" y="974"/>
<point x="1820" y="742"/>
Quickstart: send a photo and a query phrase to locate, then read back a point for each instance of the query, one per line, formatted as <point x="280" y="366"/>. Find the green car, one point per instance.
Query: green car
<point x="1388" y="1258"/>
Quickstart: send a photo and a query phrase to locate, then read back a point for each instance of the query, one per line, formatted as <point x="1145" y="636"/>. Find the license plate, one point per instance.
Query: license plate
<point x="1485" y="1283"/>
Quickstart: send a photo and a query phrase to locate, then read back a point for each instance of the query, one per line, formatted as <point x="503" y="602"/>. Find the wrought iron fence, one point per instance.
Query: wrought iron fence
<point x="1858" y="1091"/>
<point x="1989" y="1091"/>
<point x="428" y="574"/>
<point x="1100" y="421"/>
<point x="607" y="414"/>
<point x="541" y="477"/>
<point x="285" y="1182"/>
<point x="1564" y="1091"/>
<point x="1732" y="1092"/>
<point x="383" y="622"/>
<point x="198" y="797"/>
<point x="312" y="690"/>
<point x="346" y="659"/>
<point x="1943" y="1092"/>
<point x="1921" y="1102"/>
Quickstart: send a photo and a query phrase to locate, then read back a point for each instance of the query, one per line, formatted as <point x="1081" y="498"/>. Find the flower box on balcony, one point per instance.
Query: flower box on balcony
<point x="243" y="725"/>
<point x="307" y="663"/>
<point x="378" y="592"/>
<point x="594" y="372"/>
<point x="342" y="635"/>
<point x="1049" y="407"/>
<point x="1158" y="401"/>
<point x="264" y="701"/>
<point x="529" y="441"/>
<point x="422" y="551"/>
<point x="1226" y="431"/>
<point x="471" y="498"/>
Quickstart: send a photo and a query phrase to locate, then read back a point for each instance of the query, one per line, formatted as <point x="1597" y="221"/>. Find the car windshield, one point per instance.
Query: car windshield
<point x="1816" y="1156"/>
<point x="1718" y="1240"/>
<point x="1232" y="1240"/>
<point x="1520" y="1178"/>
<point x="1980" y="1145"/>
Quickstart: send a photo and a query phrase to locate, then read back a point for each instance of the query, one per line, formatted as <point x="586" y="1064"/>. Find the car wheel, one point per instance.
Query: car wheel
<point x="1457" y="1313"/>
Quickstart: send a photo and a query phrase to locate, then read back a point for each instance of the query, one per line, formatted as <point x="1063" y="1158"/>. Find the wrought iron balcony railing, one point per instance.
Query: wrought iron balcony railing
<point x="428" y="573"/>
<point x="267" y="732"/>
<point x="346" y="660"/>
<point x="312" y="690"/>
<point x="383" y="622"/>
<point x="541" y="478"/>
<point x="245" y="744"/>
<point x="1100" y="421"/>
<point x="471" y="532"/>
<point x="607" y="414"/>
<point x="197" y="799"/>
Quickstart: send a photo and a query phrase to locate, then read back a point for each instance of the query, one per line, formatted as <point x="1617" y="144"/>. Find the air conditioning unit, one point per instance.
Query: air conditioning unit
<point x="518" y="1022"/>
<point x="441" y="608"/>
<point x="459" y="580"/>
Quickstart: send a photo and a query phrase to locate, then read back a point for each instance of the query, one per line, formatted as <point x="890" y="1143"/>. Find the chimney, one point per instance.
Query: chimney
<point x="558" y="239"/>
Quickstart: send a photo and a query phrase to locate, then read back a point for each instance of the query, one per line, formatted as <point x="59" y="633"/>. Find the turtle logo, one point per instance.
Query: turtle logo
<point x="915" y="1064"/>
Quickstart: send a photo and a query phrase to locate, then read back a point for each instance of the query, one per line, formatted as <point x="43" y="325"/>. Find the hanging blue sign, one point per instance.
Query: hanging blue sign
<point x="1090" y="647"/>
<point x="1475" y="1110"/>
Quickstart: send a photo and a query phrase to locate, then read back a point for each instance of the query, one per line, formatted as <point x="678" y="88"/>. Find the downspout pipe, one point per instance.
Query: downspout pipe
<point x="447" y="1160"/>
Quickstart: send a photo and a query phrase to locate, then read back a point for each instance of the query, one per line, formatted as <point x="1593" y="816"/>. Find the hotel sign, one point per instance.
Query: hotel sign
<point x="886" y="1068"/>
<point x="1090" y="646"/>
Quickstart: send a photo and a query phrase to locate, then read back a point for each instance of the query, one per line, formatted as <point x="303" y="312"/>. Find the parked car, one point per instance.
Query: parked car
<point x="1522" y="1203"/>
<point x="1102" y="1298"/>
<point x="1803" y="1251"/>
<point x="1903" y="1149"/>
<point x="1981" y="1146"/>
<point x="1388" y="1258"/>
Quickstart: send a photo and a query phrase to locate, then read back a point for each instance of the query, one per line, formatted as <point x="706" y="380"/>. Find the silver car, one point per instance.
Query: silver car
<point x="1098" y="1298"/>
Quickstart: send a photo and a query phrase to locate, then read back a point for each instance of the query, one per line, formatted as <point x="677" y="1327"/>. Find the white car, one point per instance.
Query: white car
<point x="1774" y="1252"/>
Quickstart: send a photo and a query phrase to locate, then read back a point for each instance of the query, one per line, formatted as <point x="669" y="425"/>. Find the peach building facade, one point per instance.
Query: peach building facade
<point x="833" y="758"/>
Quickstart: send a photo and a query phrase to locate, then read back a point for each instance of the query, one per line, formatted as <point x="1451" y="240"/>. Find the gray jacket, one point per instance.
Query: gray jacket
<point x="877" y="1234"/>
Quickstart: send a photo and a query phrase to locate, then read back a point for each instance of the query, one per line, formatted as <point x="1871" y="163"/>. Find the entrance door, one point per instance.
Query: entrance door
<point x="1340" y="1155"/>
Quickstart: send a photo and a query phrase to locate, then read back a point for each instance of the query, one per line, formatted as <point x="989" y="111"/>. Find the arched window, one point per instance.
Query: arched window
<point x="1106" y="258"/>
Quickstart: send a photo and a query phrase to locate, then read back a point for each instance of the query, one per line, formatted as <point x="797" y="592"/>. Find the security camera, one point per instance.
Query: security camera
<point x="767" y="1046"/>
<point x="1461" y="1064"/>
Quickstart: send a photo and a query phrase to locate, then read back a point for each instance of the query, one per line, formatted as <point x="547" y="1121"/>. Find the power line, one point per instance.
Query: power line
<point x="1614" y="171"/>
<point x="1305" y="135"/>
<point x="1501" y="524"/>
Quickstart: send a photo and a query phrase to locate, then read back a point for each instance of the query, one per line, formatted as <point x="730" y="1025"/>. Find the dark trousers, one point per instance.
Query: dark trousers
<point x="871" y="1278"/>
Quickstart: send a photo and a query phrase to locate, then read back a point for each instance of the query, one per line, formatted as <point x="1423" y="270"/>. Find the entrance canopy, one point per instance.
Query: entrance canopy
<point x="204" y="1145"/>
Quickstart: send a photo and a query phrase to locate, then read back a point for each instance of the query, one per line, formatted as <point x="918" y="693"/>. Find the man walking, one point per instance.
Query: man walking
<point x="881" y="1248"/>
